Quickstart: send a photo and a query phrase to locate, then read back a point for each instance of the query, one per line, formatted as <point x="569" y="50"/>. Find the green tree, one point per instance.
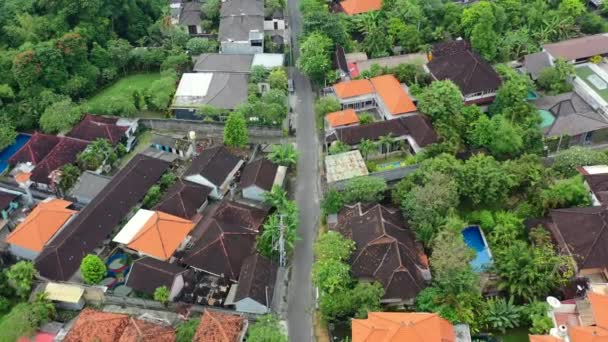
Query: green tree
<point x="24" y="318"/>
<point x="357" y="302"/>
<point x="425" y="206"/>
<point x="152" y="197"/>
<point x="288" y="217"/>
<point x="483" y="180"/>
<point x="161" y="294"/>
<point x="332" y="202"/>
<point x="93" y="269"/>
<point x="566" y="161"/>
<point x="386" y="141"/>
<point x="331" y="245"/>
<point x="501" y="315"/>
<point x="98" y="153"/>
<point x="185" y="331"/>
<point x="441" y="100"/>
<point x="259" y="73"/>
<point x="450" y="252"/>
<point x="69" y="176"/>
<point x="365" y="118"/>
<point x="211" y="10"/>
<point x="235" y="130"/>
<point x="338" y="147"/>
<point x="483" y="39"/>
<point x="555" y="79"/>
<point x="498" y="135"/>
<point x="276" y="197"/>
<point x="326" y="105"/>
<point x="537" y="315"/>
<point x="20" y="276"/>
<point x="7" y="133"/>
<point x="278" y="79"/>
<point x="331" y="276"/>
<point x="198" y="45"/>
<point x="266" y="328"/>
<point x="284" y="154"/>
<point x="364" y="189"/>
<point x="566" y="193"/>
<point x="571" y="8"/>
<point x="314" y="58"/>
<point x="366" y="146"/>
<point x="60" y="116"/>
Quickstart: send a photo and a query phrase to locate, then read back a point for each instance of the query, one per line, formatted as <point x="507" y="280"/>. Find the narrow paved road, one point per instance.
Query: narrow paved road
<point x="301" y="299"/>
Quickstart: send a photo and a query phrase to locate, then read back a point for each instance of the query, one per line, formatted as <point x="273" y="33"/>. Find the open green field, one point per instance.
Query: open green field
<point x="126" y="85"/>
<point x="583" y="72"/>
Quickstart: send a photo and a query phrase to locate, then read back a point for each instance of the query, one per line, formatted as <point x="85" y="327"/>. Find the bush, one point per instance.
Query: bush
<point x="185" y="331"/>
<point x="332" y="203"/>
<point x="364" y="189"/>
<point x="93" y="269"/>
<point x="566" y="161"/>
<point x="161" y="294"/>
<point x="152" y="196"/>
<point x="501" y="315"/>
<point x="197" y="45"/>
<point x="537" y="317"/>
<point x="266" y="328"/>
<point x="566" y="193"/>
<point x="158" y="96"/>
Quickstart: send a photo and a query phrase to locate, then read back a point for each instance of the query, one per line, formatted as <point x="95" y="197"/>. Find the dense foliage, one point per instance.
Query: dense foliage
<point x="93" y="269"/>
<point x="266" y="328"/>
<point x="284" y="218"/>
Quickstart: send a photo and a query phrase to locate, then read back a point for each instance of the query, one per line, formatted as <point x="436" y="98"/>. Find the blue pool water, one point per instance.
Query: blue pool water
<point x="473" y="238"/>
<point x="532" y="95"/>
<point x="12" y="149"/>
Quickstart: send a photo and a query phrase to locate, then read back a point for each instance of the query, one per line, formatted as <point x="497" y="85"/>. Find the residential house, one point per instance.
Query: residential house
<point x="215" y="168"/>
<point x="155" y="234"/>
<point x="31" y="236"/>
<point x="184" y="199"/>
<point x="416" y="130"/>
<point x="259" y="177"/>
<point x="457" y="62"/>
<point x="44" y="154"/>
<point x="61" y="257"/>
<point x="8" y="203"/>
<point x="354" y="7"/>
<point x="386" y="251"/>
<point x="360" y="63"/>
<point x="579" y="50"/>
<point x="147" y="274"/>
<point x="384" y="93"/>
<point x="115" y="130"/>
<point x="88" y="186"/>
<point x="241" y="28"/>
<point x="65" y="296"/>
<point x="218" y="89"/>
<point x="344" y="166"/>
<point x="228" y="238"/>
<point x="582" y="234"/>
<point x="343" y="118"/>
<point x="568" y="120"/>
<point x="535" y="63"/>
<point x="274" y="24"/>
<point x="580" y="319"/>
<point x="236" y="63"/>
<point x="596" y="180"/>
<point x="405" y="326"/>
<point x="100" y="326"/>
<point x="188" y="14"/>
<point x="220" y="327"/>
<point x="256" y="285"/>
<point x="173" y="143"/>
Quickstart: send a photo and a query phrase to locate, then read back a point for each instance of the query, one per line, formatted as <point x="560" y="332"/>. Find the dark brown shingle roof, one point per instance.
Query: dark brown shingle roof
<point x="149" y="273"/>
<point x="418" y="126"/>
<point x="583" y="234"/>
<point x="467" y="69"/>
<point x="385" y="249"/>
<point x="65" y="152"/>
<point x="62" y="255"/>
<point x="598" y="183"/>
<point x="260" y="172"/>
<point x="215" y="164"/>
<point x="257" y="279"/>
<point x="228" y="239"/>
<point x="93" y="127"/>
<point x="35" y="149"/>
<point x="6" y="199"/>
<point x="183" y="199"/>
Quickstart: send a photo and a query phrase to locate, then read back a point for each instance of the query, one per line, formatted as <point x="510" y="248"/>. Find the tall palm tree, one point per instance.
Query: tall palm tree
<point x="386" y="141"/>
<point x="366" y="146"/>
<point x="277" y="197"/>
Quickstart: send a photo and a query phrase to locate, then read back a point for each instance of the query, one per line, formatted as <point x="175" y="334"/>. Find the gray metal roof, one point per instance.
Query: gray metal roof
<point x="237" y="28"/>
<point x="215" y="62"/>
<point x="226" y="90"/>
<point x="573" y="115"/>
<point x="242" y="8"/>
<point x="535" y="63"/>
<point x="88" y="186"/>
<point x="191" y="13"/>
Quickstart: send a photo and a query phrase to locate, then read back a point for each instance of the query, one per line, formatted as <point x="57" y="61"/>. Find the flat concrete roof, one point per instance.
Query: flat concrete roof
<point x="344" y="166"/>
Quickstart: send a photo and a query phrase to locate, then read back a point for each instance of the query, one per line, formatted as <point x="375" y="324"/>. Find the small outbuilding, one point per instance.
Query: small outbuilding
<point x="259" y="177"/>
<point x="65" y="296"/>
<point x="147" y="274"/>
<point x="256" y="285"/>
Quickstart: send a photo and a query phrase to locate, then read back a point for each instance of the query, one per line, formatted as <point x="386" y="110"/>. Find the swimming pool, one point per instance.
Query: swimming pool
<point x="12" y="149"/>
<point x="473" y="237"/>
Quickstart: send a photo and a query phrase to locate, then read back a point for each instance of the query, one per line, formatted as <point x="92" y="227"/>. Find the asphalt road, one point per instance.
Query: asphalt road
<point x="301" y="299"/>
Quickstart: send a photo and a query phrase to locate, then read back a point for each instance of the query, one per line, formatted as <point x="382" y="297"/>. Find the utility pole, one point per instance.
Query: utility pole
<point x="282" y="253"/>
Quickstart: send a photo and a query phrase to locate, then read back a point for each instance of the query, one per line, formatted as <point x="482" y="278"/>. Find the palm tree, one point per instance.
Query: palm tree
<point x="386" y="141"/>
<point x="285" y="155"/>
<point x="366" y="22"/>
<point x="277" y="197"/>
<point x="366" y="146"/>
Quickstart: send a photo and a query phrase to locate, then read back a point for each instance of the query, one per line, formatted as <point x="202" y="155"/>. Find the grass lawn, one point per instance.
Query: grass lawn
<point x="143" y="142"/>
<point x="583" y="72"/>
<point x="125" y="85"/>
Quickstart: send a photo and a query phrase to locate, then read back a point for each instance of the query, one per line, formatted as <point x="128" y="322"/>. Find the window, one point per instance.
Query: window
<point x="192" y="29"/>
<point x="276" y="24"/>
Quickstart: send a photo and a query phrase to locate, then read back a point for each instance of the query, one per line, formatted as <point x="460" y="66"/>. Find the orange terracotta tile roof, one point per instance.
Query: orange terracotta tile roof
<point x="97" y="326"/>
<point x="161" y="235"/>
<point x="588" y="334"/>
<point x="543" y="338"/>
<point x="395" y="98"/>
<point x="599" y="306"/>
<point x="41" y="224"/>
<point x="352" y="7"/>
<point x="397" y="326"/>
<point x="139" y="330"/>
<point x="342" y="118"/>
<point x="219" y="327"/>
<point x="353" y="88"/>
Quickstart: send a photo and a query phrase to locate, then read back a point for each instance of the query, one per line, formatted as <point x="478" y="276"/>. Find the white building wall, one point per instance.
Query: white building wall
<point x="254" y="193"/>
<point x="178" y="285"/>
<point x="23" y="253"/>
<point x="269" y="25"/>
<point x="198" y="179"/>
<point x="240" y="47"/>
<point x="251" y="306"/>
